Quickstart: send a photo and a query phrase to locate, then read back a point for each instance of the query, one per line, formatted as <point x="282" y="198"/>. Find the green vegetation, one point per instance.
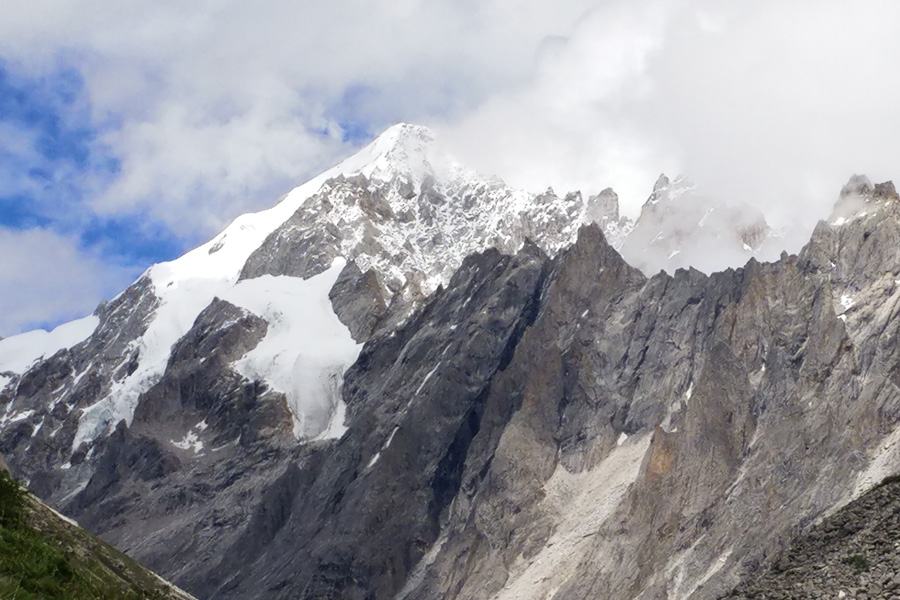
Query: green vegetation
<point x="858" y="562"/>
<point x="43" y="557"/>
<point x="12" y="502"/>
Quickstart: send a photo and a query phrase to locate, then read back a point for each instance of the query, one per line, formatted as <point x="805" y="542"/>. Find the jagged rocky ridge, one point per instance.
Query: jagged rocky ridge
<point x="540" y="426"/>
<point x="402" y="212"/>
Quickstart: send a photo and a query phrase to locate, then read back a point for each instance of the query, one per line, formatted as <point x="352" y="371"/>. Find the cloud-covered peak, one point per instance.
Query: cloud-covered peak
<point x="192" y="121"/>
<point x="860" y="198"/>
<point x="403" y="148"/>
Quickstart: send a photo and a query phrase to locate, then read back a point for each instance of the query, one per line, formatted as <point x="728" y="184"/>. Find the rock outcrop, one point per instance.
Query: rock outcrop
<point x="538" y="420"/>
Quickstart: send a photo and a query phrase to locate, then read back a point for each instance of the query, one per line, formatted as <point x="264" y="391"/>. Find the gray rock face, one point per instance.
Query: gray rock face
<point x="358" y="301"/>
<point x="414" y="235"/>
<point x="416" y="401"/>
<point x="751" y="408"/>
<point x="56" y="390"/>
<point x="553" y="427"/>
<point x="661" y="437"/>
<point x="196" y="463"/>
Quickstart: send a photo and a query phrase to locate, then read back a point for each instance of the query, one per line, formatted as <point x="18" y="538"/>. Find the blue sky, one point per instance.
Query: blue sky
<point x="48" y="184"/>
<point x="50" y="165"/>
<point x="131" y="132"/>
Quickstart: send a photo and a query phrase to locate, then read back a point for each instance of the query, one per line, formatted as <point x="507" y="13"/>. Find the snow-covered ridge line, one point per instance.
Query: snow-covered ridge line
<point x="223" y="256"/>
<point x="402" y="207"/>
<point x="186" y="285"/>
<point x="19" y="352"/>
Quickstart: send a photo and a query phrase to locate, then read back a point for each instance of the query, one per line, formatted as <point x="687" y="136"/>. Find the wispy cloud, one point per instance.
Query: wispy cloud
<point x="219" y="107"/>
<point x="191" y="113"/>
<point x="59" y="257"/>
<point x="769" y="103"/>
<point x="48" y="278"/>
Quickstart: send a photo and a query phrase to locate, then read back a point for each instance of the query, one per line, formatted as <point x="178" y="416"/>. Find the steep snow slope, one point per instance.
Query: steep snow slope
<point x="306" y="351"/>
<point x="19" y="352"/>
<point x="400" y="207"/>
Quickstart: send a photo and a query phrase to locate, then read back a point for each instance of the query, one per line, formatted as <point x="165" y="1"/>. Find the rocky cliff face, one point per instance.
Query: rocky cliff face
<point x="398" y="386"/>
<point x="674" y="437"/>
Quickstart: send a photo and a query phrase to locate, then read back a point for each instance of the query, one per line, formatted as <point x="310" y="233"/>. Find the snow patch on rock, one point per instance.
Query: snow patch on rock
<point x="16" y="417"/>
<point x="178" y="309"/>
<point x="383" y="448"/>
<point x="306" y="349"/>
<point x="190" y="441"/>
<point x="427" y="377"/>
<point x="847" y="301"/>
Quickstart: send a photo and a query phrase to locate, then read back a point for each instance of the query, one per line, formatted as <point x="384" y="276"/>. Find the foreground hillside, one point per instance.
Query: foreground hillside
<point x="852" y="554"/>
<point x="45" y="556"/>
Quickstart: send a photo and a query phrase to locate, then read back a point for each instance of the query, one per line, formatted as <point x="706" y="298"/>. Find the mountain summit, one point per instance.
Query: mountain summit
<point x="392" y="222"/>
<point x="409" y="380"/>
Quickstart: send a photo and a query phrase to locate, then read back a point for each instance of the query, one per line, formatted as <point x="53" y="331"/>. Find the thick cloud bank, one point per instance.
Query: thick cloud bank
<point x="215" y="108"/>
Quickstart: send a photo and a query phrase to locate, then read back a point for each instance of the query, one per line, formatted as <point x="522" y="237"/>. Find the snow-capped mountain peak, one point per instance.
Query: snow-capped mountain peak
<point x="201" y="414"/>
<point x="402" y="150"/>
<point x="666" y="190"/>
<point x="393" y="222"/>
<point x="384" y="208"/>
<point x="181" y="289"/>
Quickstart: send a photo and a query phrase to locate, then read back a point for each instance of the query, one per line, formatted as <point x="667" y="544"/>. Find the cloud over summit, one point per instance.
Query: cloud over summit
<point x="211" y="109"/>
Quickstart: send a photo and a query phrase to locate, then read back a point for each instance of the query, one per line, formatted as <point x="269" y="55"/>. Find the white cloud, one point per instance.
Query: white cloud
<point x="770" y="103"/>
<point x="786" y="103"/>
<point x="222" y="102"/>
<point x="573" y="127"/>
<point x="220" y="106"/>
<point x="215" y="108"/>
<point x="46" y="278"/>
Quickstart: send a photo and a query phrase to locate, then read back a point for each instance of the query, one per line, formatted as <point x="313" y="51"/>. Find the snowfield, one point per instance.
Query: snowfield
<point x="306" y="349"/>
<point x="19" y="352"/>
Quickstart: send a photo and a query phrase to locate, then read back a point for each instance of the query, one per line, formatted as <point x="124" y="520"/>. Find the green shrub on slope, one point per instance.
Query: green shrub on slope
<point x="36" y="564"/>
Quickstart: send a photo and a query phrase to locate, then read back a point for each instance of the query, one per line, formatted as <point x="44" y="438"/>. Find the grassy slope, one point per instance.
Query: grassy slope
<point x="44" y="556"/>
